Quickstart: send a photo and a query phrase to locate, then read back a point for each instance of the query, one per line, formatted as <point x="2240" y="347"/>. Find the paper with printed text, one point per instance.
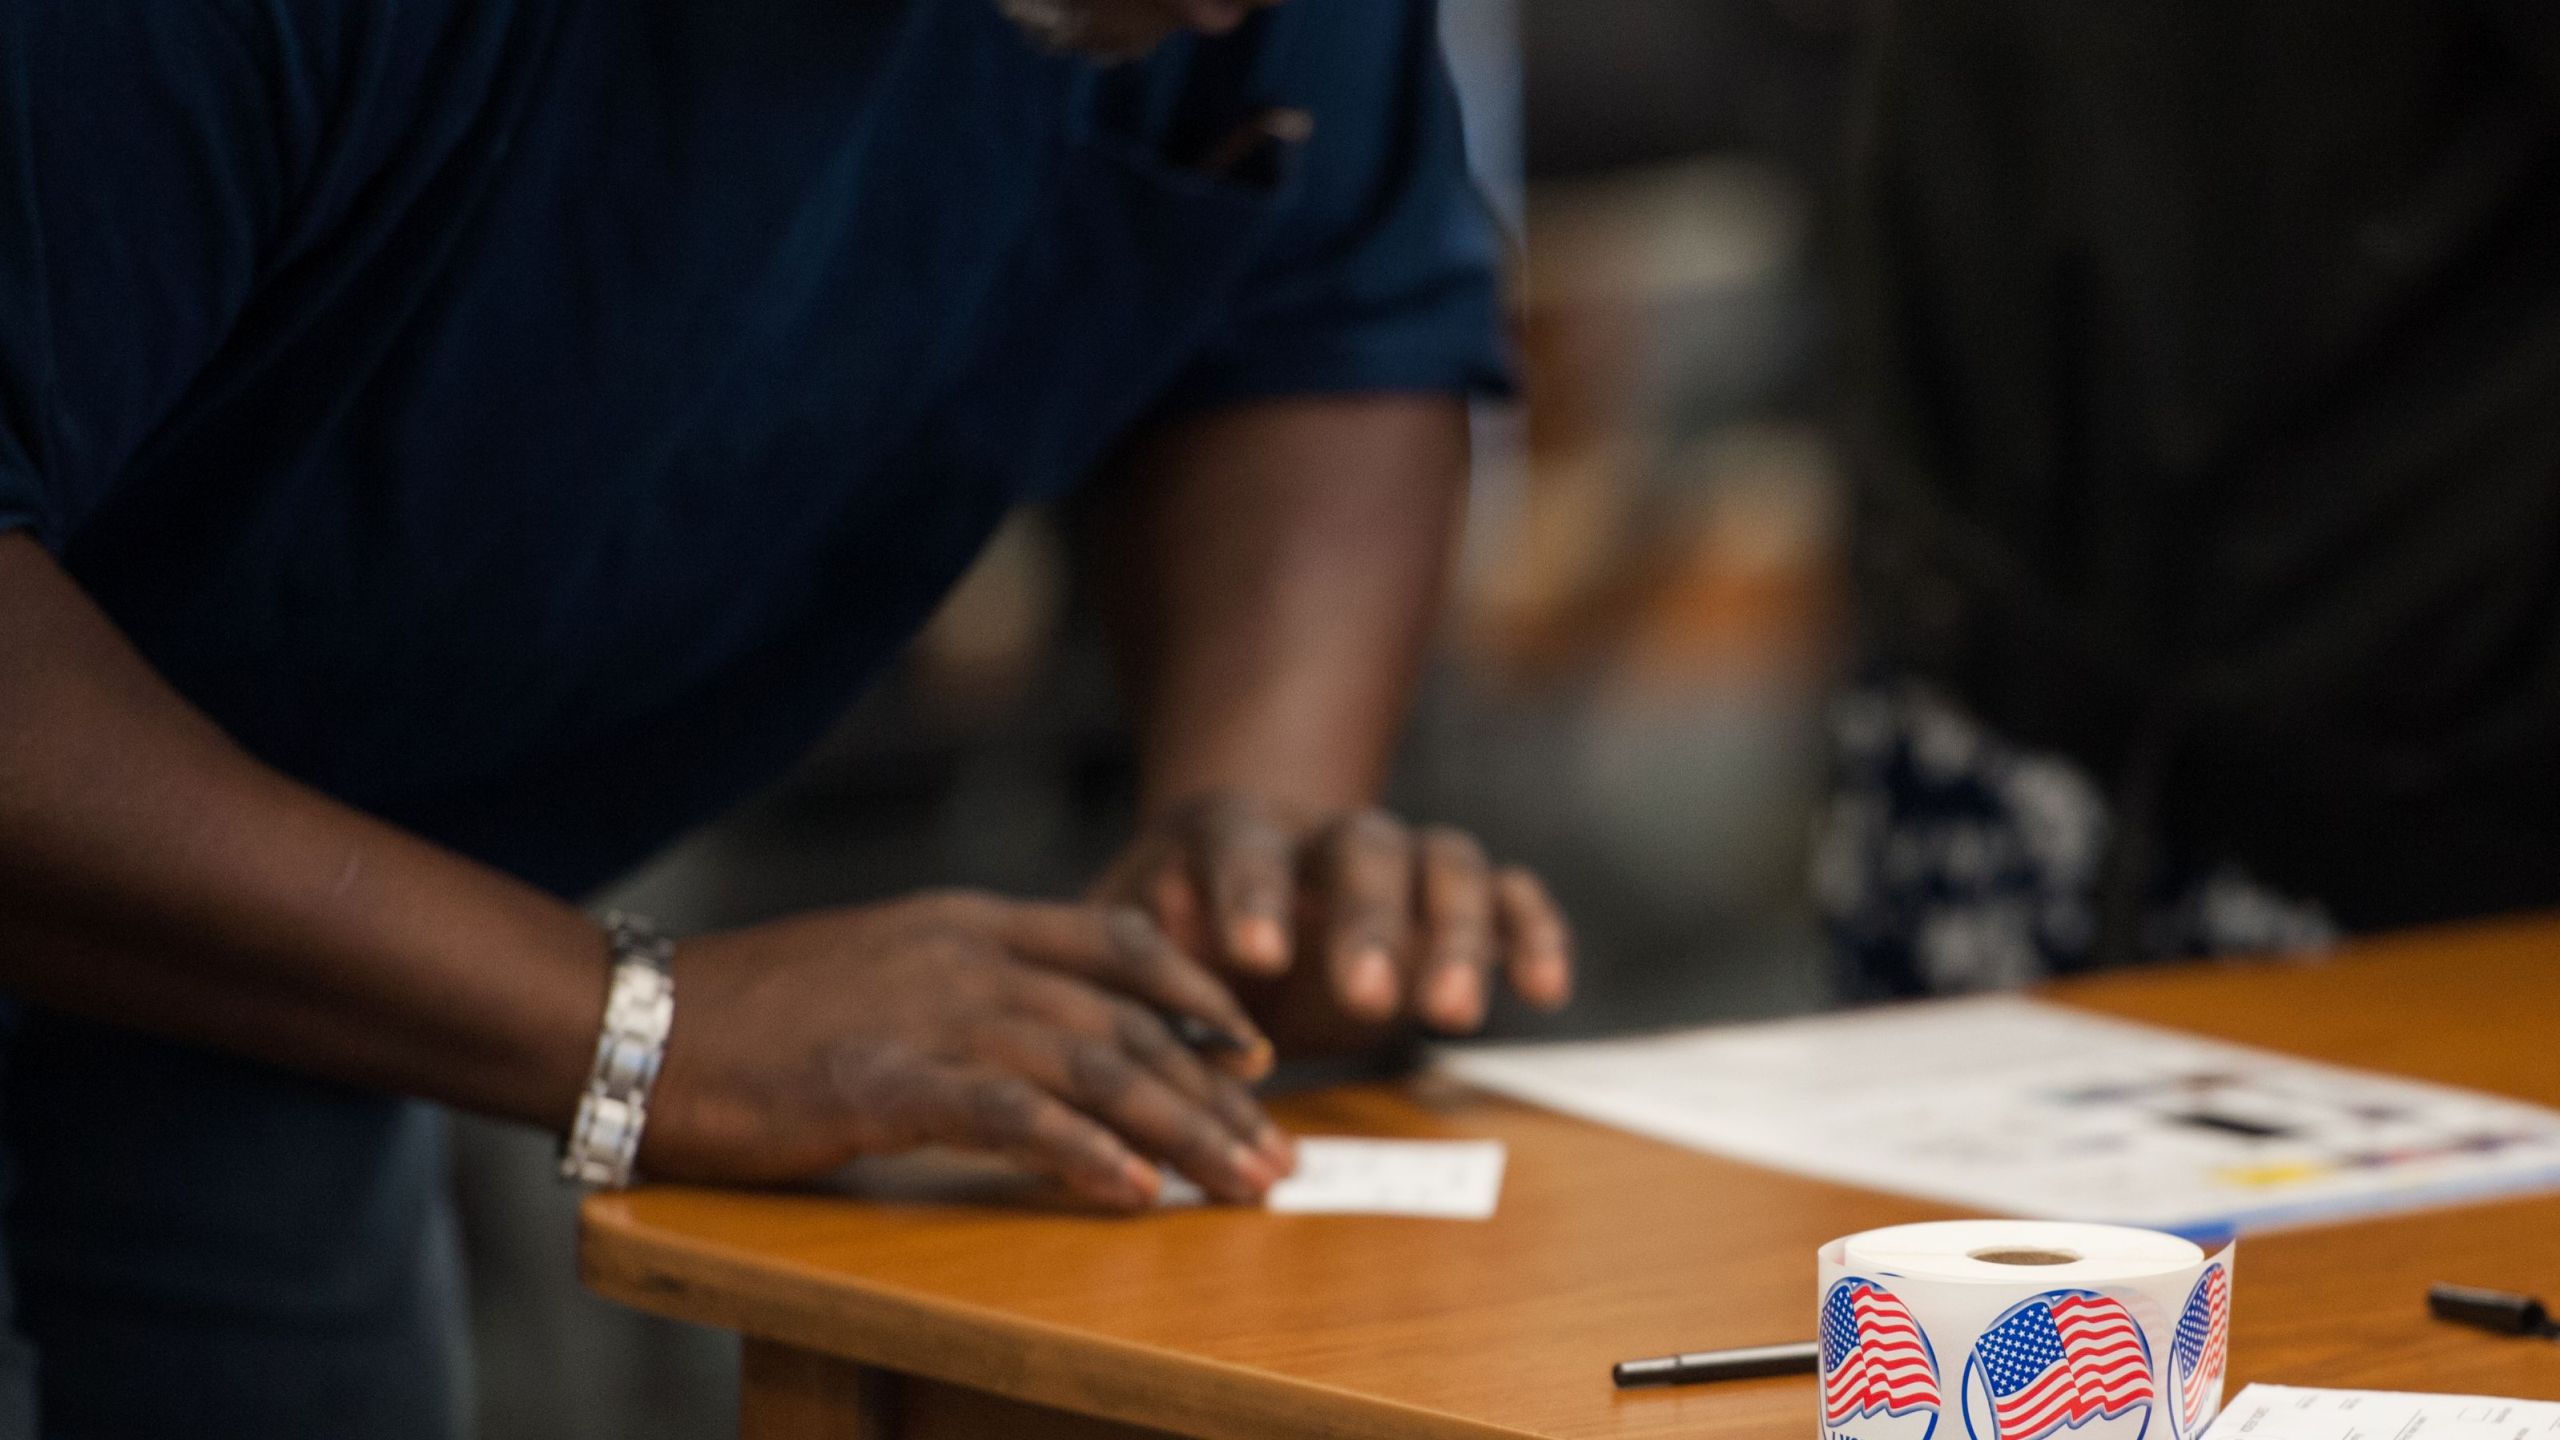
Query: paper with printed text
<point x="2287" y="1412"/>
<point x="2016" y="1107"/>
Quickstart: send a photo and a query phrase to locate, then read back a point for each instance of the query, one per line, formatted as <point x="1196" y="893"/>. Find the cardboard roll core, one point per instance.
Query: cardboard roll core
<point x="2023" y="1255"/>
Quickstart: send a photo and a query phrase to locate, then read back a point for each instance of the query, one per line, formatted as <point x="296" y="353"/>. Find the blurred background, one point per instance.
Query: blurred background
<point x="1626" y="696"/>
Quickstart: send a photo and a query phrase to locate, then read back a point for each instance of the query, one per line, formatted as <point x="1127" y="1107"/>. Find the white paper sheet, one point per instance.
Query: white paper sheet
<point x="2014" y="1107"/>
<point x="2286" y="1412"/>
<point x="1433" y="1179"/>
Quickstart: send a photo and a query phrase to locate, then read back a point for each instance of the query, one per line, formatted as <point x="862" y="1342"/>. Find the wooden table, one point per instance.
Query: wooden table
<point x="922" y="1320"/>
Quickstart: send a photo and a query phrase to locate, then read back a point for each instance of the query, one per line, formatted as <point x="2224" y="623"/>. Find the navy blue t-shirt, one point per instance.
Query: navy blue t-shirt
<point x="532" y="420"/>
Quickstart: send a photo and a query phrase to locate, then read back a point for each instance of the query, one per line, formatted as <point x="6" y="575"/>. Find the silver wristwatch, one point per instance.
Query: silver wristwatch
<point x="639" y="1010"/>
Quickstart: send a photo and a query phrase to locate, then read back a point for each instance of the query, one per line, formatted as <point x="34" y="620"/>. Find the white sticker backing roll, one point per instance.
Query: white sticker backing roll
<point x="2021" y="1330"/>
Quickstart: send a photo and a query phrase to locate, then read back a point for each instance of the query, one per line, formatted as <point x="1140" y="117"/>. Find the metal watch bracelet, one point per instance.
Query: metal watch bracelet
<point x="639" y="1010"/>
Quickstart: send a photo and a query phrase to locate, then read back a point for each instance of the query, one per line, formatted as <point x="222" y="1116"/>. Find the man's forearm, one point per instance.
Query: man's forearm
<point x="1273" y="573"/>
<point x="1271" y="576"/>
<point x="155" y="875"/>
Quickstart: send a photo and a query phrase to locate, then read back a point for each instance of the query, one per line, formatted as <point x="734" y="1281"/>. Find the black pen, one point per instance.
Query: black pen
<point x="1702" y="1365"/>
<point x="1206" y="1038"/>
<point x="1215" y="1042"/>
<point x="2491" y="1310"/>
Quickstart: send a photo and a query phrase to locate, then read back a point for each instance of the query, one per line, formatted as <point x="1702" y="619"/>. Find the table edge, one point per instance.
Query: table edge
<point x="992" y="1350"/>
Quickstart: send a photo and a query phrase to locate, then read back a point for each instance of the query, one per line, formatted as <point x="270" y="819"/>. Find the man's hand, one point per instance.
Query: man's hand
<point x="1268" y="574"/>
<point x="1043" y="1033"/>
<point x="1401" y="920"/>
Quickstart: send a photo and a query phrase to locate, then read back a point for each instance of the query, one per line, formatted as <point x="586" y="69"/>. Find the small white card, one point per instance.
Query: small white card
<point x="1432" y="1179"/>
<point x="2287" y="1412"/>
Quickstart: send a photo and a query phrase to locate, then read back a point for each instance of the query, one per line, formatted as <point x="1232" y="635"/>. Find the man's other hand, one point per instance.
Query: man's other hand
<point x="1043" y="1033"/>
<point x="1403" y="921"/>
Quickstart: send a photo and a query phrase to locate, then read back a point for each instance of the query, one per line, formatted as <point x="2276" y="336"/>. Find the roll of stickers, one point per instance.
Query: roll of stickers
<point x="2021" y="1330"/>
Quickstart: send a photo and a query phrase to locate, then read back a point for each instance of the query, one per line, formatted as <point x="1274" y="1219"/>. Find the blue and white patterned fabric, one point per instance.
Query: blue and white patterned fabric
<point x="1952" y="860"/>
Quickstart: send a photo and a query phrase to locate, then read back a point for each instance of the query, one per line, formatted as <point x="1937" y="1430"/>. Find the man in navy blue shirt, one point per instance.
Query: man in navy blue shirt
<point x="448" y="448"/>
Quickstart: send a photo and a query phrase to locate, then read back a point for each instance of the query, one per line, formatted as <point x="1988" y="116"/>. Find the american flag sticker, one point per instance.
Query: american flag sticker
<point x="2203" y="1345"/>
<point x="1876" y="1361"/>
<point x="2065" y="1359"/>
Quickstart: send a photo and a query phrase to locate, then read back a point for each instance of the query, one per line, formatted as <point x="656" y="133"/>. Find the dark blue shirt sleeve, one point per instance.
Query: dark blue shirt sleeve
<point x="145" y="149"/>
<point x="1383" y="273"/>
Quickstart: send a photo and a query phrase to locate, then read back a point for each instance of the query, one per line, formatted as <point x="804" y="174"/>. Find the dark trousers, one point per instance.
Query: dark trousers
<point x="201" y="1246"/>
